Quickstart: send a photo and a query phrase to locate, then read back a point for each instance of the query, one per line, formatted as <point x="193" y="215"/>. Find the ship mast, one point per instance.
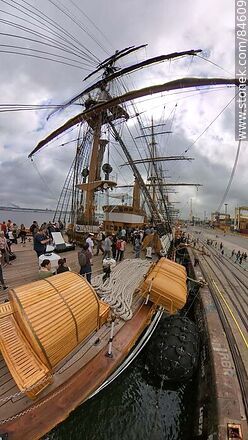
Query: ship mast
<point x="89" y="213"/>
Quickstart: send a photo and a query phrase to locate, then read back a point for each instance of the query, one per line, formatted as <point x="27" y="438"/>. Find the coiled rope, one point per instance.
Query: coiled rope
<point x="118" y="289"/>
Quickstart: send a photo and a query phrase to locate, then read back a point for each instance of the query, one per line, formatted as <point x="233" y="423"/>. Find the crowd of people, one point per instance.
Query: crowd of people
<point x="237" y="256"/>
<point x="110" y="245"/>
<point x="11" y="233"/>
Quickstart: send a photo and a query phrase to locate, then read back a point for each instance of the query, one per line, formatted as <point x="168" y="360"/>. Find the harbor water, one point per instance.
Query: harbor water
<point x="26" y="218"/>
<point x="136" y="406"/>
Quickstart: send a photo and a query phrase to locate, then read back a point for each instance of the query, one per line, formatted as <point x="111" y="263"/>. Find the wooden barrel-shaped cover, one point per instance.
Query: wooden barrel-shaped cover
<point x="166" y="285"/>
<point x="56" y="314"/>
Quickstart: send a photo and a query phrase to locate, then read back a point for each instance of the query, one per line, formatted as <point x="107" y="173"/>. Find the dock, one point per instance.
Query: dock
<point x="225" y="314"/>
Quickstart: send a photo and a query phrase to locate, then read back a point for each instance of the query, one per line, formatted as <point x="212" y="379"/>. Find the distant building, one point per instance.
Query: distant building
<point x="241" y="219"/>
<point x="220" y="220"/>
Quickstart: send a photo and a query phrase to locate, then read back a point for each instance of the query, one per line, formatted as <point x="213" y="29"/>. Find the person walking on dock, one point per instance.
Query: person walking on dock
<point x="233" y="253"/>
<point x="237" y="256"/>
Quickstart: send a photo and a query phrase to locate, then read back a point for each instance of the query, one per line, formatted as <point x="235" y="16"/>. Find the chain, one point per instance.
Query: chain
<point x="19" y="393"/>
<point x="38" y="405"/>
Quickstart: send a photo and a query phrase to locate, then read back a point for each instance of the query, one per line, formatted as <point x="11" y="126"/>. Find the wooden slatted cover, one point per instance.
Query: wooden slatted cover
<point x="29" y="373"/>
<point x="166" y="282"/>
<point x="5" y="309"/>
<point x="56" y="314"/>
<point x="104" y="312"/>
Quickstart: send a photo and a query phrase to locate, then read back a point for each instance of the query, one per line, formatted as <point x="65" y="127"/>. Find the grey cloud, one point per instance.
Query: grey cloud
<point x="166" y="26"/>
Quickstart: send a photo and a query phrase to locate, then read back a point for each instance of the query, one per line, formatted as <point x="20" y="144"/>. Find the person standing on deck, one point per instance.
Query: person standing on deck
<point x="113" y="246"/>
<point x="90" y="241"/>
<point x="84" y="258"/>
<point x="4" y="228"/>
<point x="23" y="234"/>
<point x="4" y="248"/>
<point x="123" y="233"/>
<point x="40" y="241"/>
<point x="99" y="238"/>
<point x="137" y="247"/>
<point x="1" y="275"/>
<point x="107" y="246"/>
<point x="34" y="228"/>
<point x="120" y="251"/>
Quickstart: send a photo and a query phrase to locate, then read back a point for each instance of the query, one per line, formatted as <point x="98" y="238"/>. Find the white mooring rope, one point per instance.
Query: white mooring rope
<point x="118" y="290"/>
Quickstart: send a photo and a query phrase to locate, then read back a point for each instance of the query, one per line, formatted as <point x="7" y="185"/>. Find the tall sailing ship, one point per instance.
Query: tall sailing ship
<point x="62" y="340"/>
<point x="106" y="114"/>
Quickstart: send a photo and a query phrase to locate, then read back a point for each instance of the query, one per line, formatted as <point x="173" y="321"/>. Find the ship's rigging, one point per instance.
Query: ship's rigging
<point x="106" y="111"/>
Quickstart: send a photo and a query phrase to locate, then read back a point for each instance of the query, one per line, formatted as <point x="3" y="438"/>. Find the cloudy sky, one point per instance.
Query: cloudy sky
<point x="101" y="27"/>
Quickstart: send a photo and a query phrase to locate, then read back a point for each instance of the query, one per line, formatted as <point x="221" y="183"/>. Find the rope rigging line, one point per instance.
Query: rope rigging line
<point x="43" y="180"/>
<point x="118" y="290"/>
<point x="86" y="51"/>
<point x="214" y="64"/>
<point x="72" y="17"/>
<point x="231" y="177"/>
<point x="93" y="23"/>
<point x="76" y="22"/>
<point x="204" y="131"/>
<point x="56" y="44"/>
<point x="81" y="64"/>
<point x="46" y="20"/>
<point x="47" y="29"/>
<point x="155" y="167"/>
<point x="43" y="58"/>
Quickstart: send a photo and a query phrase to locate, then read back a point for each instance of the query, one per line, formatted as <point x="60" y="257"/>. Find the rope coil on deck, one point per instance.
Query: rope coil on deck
<point x="118" y="290"/>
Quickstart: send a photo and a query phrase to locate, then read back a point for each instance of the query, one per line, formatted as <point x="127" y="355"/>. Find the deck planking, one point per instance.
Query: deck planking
<point x="25" y="268"/>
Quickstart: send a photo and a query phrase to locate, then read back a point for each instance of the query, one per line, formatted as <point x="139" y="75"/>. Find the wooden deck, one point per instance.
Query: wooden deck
<point x="25" y="269"/>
